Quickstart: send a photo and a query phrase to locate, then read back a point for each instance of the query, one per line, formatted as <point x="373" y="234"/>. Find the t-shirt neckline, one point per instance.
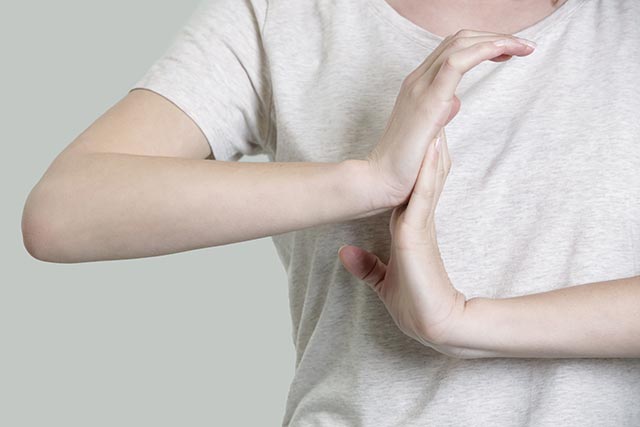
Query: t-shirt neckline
<point x="429" y="39"/>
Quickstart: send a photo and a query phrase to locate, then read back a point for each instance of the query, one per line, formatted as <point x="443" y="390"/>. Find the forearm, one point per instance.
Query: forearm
<point x="599" y="319"/>
<point x="100" y="206"/>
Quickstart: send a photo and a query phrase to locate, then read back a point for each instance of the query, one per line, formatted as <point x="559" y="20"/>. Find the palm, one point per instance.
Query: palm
<point x="414" y="285"/>
<point x="416" y="288"/>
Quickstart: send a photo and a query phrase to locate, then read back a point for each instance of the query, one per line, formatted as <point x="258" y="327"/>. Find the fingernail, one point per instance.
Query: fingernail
<point x="503" y="42"/>
<point x="438" y="144"/>
<point x="514" y="41"/>
<point x="341" y="248"/>
<point x="529" y="43"/>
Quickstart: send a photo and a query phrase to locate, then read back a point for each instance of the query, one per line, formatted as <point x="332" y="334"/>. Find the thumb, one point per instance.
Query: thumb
<point x="363" y="265"/>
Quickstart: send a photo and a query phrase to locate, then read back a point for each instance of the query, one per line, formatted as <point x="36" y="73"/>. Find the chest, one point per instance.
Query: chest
<point x="545" y="184"/>
<point x="444" y="17"/>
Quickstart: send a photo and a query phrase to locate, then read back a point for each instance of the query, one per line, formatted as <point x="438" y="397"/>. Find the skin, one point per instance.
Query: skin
<point x="445" y="17"/>
<point x="599" y="319"/>
<point x="142" y="181"/>
<point x="136" y="183"/>
<point x="414" y="285"/>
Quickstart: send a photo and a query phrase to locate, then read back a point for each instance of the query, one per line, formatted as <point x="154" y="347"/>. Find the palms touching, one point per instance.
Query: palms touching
<point x="414" y="285"/>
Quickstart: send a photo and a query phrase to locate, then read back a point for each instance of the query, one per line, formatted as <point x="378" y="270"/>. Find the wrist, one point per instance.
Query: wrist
<point x="471" y="337"/>
<point x="364" y="184"/>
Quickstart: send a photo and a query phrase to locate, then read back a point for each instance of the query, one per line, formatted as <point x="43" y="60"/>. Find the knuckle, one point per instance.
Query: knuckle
<point x="457" y="43"/>
<point x="463" y="33"/>
<point x="371" y="274"/>
<point x="449" y="64"/>
<point x="418" y="92"/>
<point x="408" y="81"/>
<point x="416" y="88"/>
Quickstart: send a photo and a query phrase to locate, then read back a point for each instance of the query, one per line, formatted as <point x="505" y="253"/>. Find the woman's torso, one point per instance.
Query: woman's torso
<point x="543" y="193"/>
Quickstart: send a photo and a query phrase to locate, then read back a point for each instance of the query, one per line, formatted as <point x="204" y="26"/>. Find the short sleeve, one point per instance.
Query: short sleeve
<point x="215" y="70"/>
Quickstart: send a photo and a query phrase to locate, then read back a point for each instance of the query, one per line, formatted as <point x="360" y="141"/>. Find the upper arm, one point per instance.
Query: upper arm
<point x="144" y="123"/>
<point x="209" y="91"/>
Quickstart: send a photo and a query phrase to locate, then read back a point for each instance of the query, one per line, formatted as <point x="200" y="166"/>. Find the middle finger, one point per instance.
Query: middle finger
<point x="426" y="64"/>
<point x="513" y="47"/>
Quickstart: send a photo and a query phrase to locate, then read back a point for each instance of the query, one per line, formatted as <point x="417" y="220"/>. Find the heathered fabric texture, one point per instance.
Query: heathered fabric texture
<point x="544" y="193"/>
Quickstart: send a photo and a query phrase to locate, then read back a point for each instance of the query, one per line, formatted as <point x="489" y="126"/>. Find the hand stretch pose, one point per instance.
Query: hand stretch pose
<point x="503" y="267"/>
<point x="415" y="287"/>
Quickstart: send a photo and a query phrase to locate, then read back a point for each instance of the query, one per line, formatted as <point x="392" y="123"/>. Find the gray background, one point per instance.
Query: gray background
<point x="188" y="339"/>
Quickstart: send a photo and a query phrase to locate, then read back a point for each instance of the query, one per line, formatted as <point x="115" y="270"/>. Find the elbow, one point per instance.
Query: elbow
<point x="39" y="230"/>
<point x="34" y="239"/>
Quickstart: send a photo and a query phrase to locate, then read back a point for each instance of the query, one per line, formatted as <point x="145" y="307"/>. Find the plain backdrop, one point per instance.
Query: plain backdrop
<point x="199" y="338"/>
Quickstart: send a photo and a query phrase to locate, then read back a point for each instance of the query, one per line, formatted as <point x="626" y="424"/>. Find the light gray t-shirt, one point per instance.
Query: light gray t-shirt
<point x="544" y="193"/>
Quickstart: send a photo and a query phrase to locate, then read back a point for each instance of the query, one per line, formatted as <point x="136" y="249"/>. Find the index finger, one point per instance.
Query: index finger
<point x="429" y="60"/>
<point x="455" y="65"/>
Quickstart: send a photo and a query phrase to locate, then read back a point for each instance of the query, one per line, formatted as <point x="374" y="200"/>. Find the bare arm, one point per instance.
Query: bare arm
<point x="600" y="319"/>
<point x="136" y="184"/>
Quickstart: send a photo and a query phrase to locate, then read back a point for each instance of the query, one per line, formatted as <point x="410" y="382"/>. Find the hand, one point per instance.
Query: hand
<point x="425" y="104"/>
<point x="414" y="286"/>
